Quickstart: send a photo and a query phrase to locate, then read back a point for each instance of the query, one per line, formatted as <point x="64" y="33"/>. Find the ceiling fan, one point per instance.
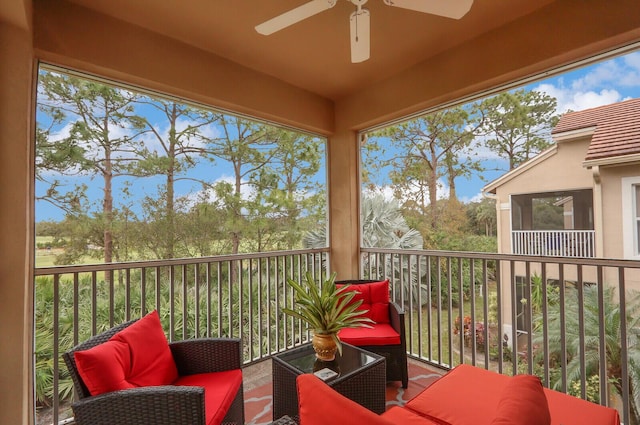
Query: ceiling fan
<point x="360" y="18"/>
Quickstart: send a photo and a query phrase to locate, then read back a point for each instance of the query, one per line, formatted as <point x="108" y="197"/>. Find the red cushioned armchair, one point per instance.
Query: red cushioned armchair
<point x="131" y="375"/>
<point x="387" y="336"/>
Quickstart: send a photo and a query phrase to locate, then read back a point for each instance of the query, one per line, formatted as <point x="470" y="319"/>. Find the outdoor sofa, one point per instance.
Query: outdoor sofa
<point x="467" y="395"/>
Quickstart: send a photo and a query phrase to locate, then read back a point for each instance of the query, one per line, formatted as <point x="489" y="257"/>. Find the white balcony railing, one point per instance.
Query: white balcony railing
<point x="554" y="243"/>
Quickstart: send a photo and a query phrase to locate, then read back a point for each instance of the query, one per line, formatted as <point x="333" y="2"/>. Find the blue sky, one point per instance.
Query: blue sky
<point x="598" y="84"/>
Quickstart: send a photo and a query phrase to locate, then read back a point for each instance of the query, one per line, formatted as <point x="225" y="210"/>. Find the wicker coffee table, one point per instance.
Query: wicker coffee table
<point x="361" y="377"/>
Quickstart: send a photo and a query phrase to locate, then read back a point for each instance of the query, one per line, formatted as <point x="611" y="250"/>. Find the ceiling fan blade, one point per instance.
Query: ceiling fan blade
<point x="454" y="9"/>
<point x="294" y="15"/>
<point x="360" y="21"/>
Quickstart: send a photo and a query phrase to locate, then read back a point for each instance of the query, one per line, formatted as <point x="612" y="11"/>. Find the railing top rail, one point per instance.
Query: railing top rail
<point x="42" y="271"/>
<point x="603" y="262"/>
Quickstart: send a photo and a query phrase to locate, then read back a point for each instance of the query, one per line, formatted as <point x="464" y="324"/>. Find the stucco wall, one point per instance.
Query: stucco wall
<point x="611" y="177"/>
<point x="561" y="170"/>
<point x="114" y="49"/>
<point x="15" y="221"/>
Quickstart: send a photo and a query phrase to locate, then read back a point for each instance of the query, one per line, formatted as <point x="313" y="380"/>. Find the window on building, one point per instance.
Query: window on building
<point x="631" y="217"/>
<point x="636" y="219"/>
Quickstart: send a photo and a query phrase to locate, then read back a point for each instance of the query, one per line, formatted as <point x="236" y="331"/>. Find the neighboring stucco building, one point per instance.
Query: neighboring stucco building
<point x="591" y="177"/>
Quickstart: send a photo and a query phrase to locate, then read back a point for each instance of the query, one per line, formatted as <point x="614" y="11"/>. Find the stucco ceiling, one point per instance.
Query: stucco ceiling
<point x="314" y="54"/>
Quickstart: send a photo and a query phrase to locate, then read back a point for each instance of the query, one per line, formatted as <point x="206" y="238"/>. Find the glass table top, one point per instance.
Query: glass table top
<point x="304" y="360"/>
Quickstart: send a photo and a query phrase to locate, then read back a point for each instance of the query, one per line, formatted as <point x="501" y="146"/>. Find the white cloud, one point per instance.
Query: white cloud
<point x="476" y="198"/>
<point x="571" y="100"/>
<point x="601" y="84"/>
<point x="385" y="191"/>
<point x="62" y="132"/>
<point x="478" y="150"/>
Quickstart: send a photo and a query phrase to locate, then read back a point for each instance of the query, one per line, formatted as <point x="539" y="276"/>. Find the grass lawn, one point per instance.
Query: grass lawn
<point x="46" y="257"/>
<point x="440" y="347"/>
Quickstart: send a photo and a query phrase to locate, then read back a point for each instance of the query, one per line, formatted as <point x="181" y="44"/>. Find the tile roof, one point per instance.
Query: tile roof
<point x="617" y="129"/>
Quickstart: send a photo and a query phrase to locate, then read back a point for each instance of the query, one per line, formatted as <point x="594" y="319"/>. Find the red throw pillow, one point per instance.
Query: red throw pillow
<point x="379" y="293"/>
<point x="151" y="359"/>
<point x="522" y="403"/>
<point x="319" y="404"/>
<point x="375" y="299"/>
<point x="104" y="368"/>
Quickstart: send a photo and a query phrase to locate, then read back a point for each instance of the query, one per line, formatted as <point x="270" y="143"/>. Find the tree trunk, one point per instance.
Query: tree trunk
<point x="433" y="199"/>
<point x="107" y="205"/>
<point x="170" y="202"/>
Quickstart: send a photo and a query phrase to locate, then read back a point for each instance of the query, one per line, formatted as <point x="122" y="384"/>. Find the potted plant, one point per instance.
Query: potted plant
<point x="326" y="309"/>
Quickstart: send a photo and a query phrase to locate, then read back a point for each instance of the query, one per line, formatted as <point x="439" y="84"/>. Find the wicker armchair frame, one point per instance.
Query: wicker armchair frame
<point x="160" y="404"/>
<point x="395" y="355"/>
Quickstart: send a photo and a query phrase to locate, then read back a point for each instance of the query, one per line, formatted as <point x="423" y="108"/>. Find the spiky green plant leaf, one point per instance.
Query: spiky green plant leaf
<point x="325" y="308"/>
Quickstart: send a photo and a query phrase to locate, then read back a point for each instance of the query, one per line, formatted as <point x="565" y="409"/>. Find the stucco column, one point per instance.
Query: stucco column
<point x="16" y="57"/>
<point x="344" y="198"/>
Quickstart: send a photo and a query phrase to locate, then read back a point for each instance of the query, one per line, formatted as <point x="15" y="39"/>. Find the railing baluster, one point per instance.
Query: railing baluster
<point x="485" y="311"/>
<point x="500" y="323"/>
<point x="624" y="343"/>
<point x="94" y="302"/>
<point x="220" y="308"/>
<point x="196" y="302"/>
<point x="563" y="328"/>
<point x="143" y="291"/>
<point x="76" y="312"/>
<point x="514" y="318"/>
<point x="208" y="277"/>
<point x="109" y="278"/>
<point x="56" y="344"/>
<point x="472" y="292"/>
<point x="250" y="307"/>
<point x="127" y="295"/>
<point x="602" y="334"/>
<point x="528" y="308"/>
<point x="429" y="278"/>
<point x="545" y="324"/>
<point x="581" y="332"/>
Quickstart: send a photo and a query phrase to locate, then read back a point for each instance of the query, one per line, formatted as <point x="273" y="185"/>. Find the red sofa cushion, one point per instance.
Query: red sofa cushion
<point x="151" y="359"/>
<point x="220" y="389"/>
<point x="477" y="395"/>
<point x="375" y="299"/>
<point x="466" y="395"/>
<point x="569" y="410"/>
<point x="137" y="356"/>
<point x="398" y="415"/>
<point x="319" y="404"/>
<point x="379" y="334"/>
<point x="522" y="403"/>
<point x="103" y="368"/>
